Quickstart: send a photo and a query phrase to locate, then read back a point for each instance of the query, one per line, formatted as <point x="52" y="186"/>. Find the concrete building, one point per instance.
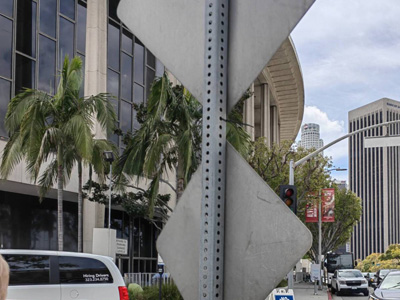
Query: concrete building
<point x="341" y="184"/>
<point x="310" y="137"/>
<point x="35" y="37"/>
<point x="275" y="111"/>
<point x="374" y="177"/>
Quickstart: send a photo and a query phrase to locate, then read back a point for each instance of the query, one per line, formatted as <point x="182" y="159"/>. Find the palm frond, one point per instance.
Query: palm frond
<point x="47" y="179"/>
<point x="78" y="128"/>
<point x="13" y="154"/>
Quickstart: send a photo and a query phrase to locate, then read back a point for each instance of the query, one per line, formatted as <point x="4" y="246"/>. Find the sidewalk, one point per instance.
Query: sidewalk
<point x="305" y="291"/>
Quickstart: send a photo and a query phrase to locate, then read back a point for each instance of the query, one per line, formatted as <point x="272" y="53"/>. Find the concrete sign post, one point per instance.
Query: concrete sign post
<point x="216" y="49"/>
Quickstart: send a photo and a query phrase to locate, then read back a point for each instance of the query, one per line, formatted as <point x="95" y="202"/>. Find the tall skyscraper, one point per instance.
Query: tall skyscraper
<point x="374" y="177"/>
<point x="310" y="137"/>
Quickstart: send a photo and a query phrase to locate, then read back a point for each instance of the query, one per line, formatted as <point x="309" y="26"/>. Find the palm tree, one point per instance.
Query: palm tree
<point x="170" y="137"/>
<point x="56" y="130"/>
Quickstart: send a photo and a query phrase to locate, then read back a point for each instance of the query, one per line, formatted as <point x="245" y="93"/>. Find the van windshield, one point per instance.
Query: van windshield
<point x="349" y="274"/>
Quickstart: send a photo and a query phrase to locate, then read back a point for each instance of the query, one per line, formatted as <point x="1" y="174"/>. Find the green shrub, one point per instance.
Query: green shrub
<point x="135" y="292"/>
<point x="283" y="283"/>
<point x="168" y="292"/>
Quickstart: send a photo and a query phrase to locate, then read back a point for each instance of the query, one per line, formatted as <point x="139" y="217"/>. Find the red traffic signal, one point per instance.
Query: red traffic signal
<point x="288" y="194"/>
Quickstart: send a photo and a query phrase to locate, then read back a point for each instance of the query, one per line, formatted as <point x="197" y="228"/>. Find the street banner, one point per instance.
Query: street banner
<point x="328" y="205"/>
<point x="312" y="208"/>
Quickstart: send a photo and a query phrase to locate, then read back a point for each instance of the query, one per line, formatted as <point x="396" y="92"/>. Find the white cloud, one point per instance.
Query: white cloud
<point x="349" y="48"/>
<point x="330" y="130"/>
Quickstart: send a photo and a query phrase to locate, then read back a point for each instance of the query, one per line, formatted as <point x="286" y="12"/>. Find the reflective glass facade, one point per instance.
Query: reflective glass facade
<point x="130" y="73"/>
<point x="26" y="223"/>
<point x="36" y="35"/>
<point x="141" y="235"/>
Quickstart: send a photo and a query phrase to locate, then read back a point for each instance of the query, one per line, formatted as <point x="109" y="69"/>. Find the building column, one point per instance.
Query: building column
<point x="266" y="115"/>
<point x="275" y="125"/>
<point x="95" y="82"/>
<point x="248" y="113"/>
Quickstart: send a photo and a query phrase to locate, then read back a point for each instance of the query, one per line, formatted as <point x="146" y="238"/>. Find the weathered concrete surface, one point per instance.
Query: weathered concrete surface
<point x="263" y="238"/>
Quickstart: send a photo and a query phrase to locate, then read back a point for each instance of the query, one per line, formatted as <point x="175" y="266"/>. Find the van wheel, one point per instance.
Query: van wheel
<point x="366" y="293"/>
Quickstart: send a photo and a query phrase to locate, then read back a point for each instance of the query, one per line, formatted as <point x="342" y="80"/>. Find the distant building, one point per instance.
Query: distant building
<point x="374" y="176"/>
<point x="310" y="137"/>
<point x="341" y="184"/>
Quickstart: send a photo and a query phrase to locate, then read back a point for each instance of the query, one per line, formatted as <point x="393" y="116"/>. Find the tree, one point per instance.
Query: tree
<point x="134" y="204"/>
<point x="347" y="215"/>
<point x="56" y="130"/>
<point x="170" y="138"/>
<point x="272" y="164"/>
<point x="378" y="261"/>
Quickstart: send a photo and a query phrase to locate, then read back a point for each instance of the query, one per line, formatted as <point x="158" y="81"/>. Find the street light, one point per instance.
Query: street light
<point x="109" y="157"/>
<point x="336" y="169"/>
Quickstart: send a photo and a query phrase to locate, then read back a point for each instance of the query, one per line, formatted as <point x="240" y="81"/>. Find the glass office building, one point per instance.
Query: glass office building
<point x="35" y="37"/>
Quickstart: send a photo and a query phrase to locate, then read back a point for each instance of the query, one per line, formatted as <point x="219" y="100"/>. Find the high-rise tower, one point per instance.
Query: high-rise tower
<point x="374" y="177"/>
<point x="310" y="137"/>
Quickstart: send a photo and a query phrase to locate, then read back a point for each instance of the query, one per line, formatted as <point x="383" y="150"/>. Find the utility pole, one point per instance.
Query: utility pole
<point x="320" y="238"/>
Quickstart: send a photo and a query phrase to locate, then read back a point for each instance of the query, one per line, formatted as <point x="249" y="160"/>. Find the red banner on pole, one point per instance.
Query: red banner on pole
<point x="328" y="205"/>
<point x="312" y="208"/>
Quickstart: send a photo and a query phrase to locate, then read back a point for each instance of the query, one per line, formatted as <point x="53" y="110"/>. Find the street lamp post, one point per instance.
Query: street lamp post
<point x="109" y="157"/>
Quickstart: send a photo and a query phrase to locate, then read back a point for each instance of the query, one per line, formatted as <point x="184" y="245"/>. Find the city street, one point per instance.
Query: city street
<point x="352" y="297"/>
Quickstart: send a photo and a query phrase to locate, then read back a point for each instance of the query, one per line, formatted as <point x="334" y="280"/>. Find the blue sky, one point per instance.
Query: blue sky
<point x="349" y="52"/>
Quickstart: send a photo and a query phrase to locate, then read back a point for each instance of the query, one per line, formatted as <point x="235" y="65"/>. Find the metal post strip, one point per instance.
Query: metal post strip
<point x="213" y="150"/>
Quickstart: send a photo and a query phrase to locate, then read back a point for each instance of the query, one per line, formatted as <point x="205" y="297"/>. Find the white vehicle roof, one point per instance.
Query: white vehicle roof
<point x="108" y="261"/>
<point x="56" y="253"/>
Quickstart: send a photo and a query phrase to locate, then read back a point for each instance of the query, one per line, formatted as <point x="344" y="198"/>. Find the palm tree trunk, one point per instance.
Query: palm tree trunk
<point x="180" y="181"/>
<point x="60" y="205"/>
<point x="80" y="204"/>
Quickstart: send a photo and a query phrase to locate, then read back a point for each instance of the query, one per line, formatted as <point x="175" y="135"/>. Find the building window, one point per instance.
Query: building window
<point x="39" y="47"/>
<point x="130" y="74"/>
<point x="141" y="235"/>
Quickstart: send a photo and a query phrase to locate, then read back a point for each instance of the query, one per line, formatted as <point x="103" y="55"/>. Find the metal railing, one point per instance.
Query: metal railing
<point x="147" y="279"/>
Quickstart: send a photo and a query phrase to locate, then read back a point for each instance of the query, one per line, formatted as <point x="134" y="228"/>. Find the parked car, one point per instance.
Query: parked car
<point x="370" y="278"/>
<point x="52" y="275"/>
<point x="349" y="281"/>
<point x="380" y="275"/>
<point x="389" y="288"/>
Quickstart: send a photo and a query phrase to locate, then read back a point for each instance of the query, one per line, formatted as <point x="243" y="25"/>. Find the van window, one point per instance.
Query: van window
<point x="28" y="269"/>
<point x="83" y="270"/>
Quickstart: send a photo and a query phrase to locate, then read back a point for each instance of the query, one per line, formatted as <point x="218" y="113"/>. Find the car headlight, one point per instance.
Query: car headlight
<point x="342" y="282"/>
<point x="365" y="281"/>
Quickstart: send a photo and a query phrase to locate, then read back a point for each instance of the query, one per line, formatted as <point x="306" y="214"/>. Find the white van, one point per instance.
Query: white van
<point x="52" y="275"/>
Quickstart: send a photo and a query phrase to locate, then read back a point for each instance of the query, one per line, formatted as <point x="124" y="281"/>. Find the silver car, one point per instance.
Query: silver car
<point x="350" y="281"/>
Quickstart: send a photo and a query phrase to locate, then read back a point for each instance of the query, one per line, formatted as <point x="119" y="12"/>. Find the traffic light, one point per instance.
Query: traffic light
<point x="288" y="194"/>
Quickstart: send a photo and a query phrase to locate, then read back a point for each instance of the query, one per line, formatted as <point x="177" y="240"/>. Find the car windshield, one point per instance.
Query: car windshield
<point x="391" y="282"/>
<point x="371" y="274"/>
<point x="383" y="272"/>
<point x="348" y="274"/>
